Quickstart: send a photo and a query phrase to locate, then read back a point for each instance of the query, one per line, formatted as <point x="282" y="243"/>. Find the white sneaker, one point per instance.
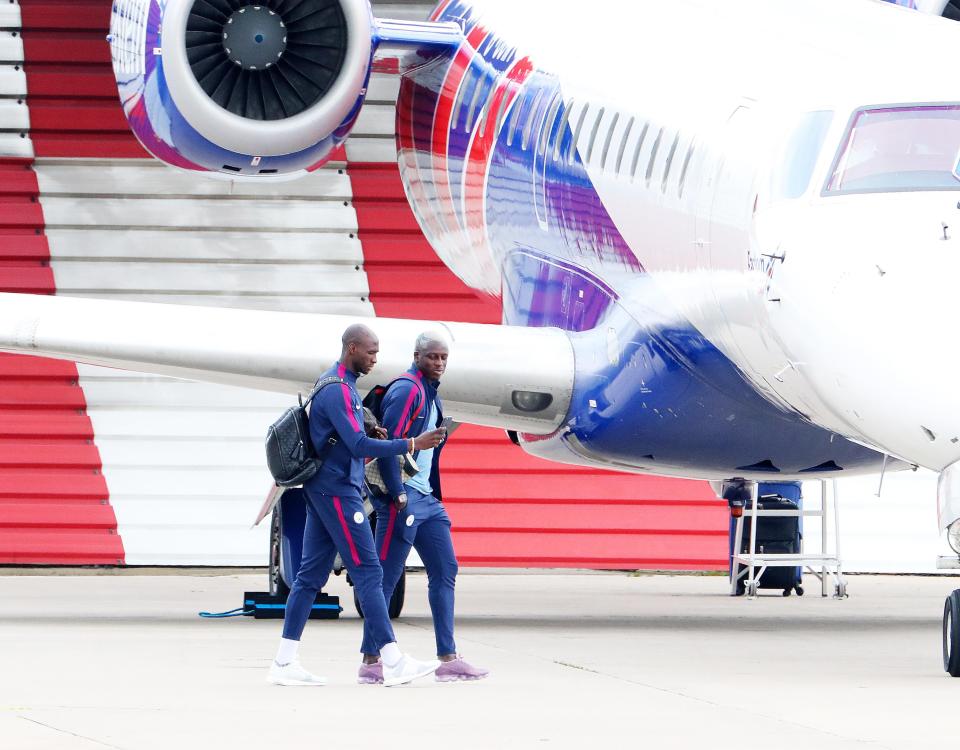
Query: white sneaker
<point x="407" y="669"/>
<point x="293" y="674"/>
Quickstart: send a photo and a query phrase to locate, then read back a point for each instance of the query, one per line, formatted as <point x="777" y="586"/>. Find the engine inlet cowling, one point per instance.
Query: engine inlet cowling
<point x="242" y="86"/>
<point x="266" y="61"/>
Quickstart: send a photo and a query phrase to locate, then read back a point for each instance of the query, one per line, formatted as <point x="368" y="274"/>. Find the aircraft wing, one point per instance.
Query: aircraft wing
<point x="500" y="376"/>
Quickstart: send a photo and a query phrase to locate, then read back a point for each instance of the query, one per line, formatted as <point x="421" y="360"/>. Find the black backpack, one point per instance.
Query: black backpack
<point x="374" y="401"/>
<point x="291" y="457"/>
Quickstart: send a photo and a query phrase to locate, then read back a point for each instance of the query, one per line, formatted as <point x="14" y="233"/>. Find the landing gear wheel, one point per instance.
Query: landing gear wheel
<point x="751" y="590"/>
<point x="395" y="607"/>
<point x="799" y="590"/>
<point x="787" y="592"/>
<point x="275" y="581"/>
<point x="840" y="591"/>
<point x="951" y="634"/>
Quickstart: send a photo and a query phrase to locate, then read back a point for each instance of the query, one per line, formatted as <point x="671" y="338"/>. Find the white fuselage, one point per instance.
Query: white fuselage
<point x="835" y="306"/>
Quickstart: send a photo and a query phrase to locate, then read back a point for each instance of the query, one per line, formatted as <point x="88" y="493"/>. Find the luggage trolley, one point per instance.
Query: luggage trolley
<point x="747" y="567"/>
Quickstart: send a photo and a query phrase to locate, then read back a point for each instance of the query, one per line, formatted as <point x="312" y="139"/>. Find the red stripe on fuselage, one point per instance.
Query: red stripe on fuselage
<point x="443" y="122"/>
<point x="481" y="149"/>
<point x="440" y="9"/>
<point x="412" y="172"/>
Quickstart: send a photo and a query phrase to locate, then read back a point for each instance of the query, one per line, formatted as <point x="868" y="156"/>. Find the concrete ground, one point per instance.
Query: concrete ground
<point x="578" y="660"/>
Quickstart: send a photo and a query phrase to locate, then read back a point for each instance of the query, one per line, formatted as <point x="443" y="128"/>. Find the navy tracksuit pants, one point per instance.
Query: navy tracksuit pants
<point x="338" y="524"/>
<point x="425" y="526"/>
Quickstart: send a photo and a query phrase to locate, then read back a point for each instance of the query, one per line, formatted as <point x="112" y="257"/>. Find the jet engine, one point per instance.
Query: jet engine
<point x="242" y="87"/>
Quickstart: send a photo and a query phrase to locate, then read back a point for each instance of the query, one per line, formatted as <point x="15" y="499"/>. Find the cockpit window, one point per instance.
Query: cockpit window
<point x="895" y="149"/>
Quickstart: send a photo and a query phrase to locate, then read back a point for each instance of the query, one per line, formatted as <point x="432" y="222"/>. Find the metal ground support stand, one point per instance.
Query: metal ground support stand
<point x="821" y="565"/>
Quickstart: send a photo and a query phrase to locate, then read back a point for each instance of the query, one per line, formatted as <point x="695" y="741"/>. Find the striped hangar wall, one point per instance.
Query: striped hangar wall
<point x="176" y="469"/>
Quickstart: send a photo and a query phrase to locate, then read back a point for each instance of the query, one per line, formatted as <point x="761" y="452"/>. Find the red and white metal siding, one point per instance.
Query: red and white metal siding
<point x="54" y="505"/>
<point x="183" y="461"/>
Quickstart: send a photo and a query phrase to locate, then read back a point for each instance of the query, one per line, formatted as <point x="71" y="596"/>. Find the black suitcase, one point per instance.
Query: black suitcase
<point x="775" y="535"/>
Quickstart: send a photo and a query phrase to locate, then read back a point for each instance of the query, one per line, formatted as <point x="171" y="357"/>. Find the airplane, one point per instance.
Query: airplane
<point x="722" y="233"/>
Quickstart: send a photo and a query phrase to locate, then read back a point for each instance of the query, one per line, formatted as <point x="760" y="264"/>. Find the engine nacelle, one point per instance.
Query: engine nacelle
<point x="242" y="87"/>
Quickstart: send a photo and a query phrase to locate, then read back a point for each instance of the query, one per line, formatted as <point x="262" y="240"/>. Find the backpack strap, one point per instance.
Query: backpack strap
<point x="332" y="437"/>
<point x="319" y="386"/>
<point x="416" y="412"/>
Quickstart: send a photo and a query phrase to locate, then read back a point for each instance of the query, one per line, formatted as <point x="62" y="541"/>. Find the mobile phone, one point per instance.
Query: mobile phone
<point x="449" y="425"/>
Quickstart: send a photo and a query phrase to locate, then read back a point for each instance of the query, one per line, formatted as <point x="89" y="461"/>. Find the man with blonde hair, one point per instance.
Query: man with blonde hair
<point x="412" y="515"/>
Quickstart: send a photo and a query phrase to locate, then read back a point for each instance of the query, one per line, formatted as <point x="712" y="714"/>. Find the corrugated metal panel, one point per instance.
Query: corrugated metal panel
<point x="53" y="506"/>
<point x="11" y="46"/>
<point x="198" y="213"/>
<point x="13" y="81"/>
<point x="185" y="465"/>
<point x="288" y="245"/>
<point x="10" y="15"/>
<point x="14" y="115"/>
<point x="53" y="498"/>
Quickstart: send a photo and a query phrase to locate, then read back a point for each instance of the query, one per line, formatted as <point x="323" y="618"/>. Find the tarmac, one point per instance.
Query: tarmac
<point x="577" y="660"/>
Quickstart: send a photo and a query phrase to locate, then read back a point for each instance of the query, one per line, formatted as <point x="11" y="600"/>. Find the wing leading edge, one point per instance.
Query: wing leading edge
<point x="285" y="352"/>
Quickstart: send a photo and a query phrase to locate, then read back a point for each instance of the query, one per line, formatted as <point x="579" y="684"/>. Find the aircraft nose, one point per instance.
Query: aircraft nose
<point x="873" y="331"/>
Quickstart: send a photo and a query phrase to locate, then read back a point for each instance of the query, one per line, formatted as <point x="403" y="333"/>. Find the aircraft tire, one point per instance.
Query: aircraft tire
<point x="951" y="634"/>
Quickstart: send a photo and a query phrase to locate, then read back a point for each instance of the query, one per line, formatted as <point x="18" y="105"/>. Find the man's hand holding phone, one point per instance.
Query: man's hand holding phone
<point x="429" y="440"/>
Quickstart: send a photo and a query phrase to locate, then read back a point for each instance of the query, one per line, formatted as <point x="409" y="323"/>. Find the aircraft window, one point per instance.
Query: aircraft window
<point x="508" y="92"/>
<point x="576" y="134"/>
<point x="486" y="111"/>
<point x="562" y="129"/>
<point x="514" y="117"/>
<point x="477" y="88"/>
<point x="893" y="149"/>
<point x="548" y="124"/>
<point x="531" y="116"/>
<point x="623" y="143"/>
<point x="683" y="169"/>
<point x="482" y="120"/>
<point x="458" y="101"/>
<point x="636" y="150"/>
<point x="794" y="168"/>
<point x="653" y="156"/>
<point x="606" y="143"/>
<point x="666" y="167"/>
<point x="593" y="133"/>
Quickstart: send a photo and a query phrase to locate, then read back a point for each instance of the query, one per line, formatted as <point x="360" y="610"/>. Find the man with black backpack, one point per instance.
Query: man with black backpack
<point x="336" y="521"/>
<point x="410" y="513"/>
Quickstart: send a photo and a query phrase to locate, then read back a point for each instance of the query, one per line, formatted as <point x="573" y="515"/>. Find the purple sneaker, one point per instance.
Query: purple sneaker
<point x="458" y="669"/>
<point x="370" y="674"/>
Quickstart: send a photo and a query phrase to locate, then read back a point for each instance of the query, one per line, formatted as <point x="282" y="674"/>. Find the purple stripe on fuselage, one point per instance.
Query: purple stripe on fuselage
<point x="540" y="292"/>
<point x="577" y="225"/>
